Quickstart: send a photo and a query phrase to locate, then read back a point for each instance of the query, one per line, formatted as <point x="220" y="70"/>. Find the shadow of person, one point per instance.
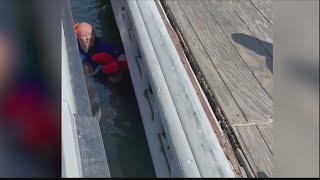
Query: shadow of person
<point x="259" y="46"/>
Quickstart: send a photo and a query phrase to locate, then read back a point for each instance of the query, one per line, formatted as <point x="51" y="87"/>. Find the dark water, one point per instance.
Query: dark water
<point x="121" y="125"/>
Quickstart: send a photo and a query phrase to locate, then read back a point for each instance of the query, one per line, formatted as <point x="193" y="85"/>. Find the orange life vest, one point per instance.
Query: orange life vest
<point x="75" y="27"/>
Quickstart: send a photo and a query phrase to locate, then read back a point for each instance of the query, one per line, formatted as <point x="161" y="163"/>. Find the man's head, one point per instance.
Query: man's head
<point x="85" y="36"/>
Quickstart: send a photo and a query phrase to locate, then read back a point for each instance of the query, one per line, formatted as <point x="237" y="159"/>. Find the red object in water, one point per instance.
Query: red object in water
<point x="111" y="68"/>
<point x="110" y="64"/>
<point x="103" y="59"/>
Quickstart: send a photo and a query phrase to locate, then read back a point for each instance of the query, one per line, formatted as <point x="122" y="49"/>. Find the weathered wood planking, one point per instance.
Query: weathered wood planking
<point x="257" y="24"/>
<point x="191" y="75"/>
<point x="255" y="147"/>
<point x="265" y="7"/>
<point x="208" y="39"/>
<point x="204" y="62"/>
<point x="267" y="135"/>
<point x="249" y="95"/>
<point x="249" y="48"/>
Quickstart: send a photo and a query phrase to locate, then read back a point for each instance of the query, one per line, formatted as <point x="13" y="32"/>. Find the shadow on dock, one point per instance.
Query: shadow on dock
<point x="251" y="42"/>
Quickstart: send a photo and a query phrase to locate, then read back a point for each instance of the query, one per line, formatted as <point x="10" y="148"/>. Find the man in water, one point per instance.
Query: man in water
<point x="98" y="57"/>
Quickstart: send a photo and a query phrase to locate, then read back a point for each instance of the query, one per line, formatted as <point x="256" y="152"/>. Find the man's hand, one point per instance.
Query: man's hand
<point x="122" y="61"/>
<point x="122" y="57"/>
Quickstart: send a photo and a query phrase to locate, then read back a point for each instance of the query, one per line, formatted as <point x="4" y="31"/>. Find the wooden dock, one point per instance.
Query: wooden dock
<point x="229" y="45"/>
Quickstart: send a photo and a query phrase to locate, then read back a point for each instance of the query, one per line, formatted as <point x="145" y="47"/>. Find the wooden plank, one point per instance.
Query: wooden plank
<point x="254" y="147"/>
<point x="265" y="7"/>
<point x="266" y="133"/>
<point x="238" y="170"/>
<point x="198" y="48"/>
<point x="244" y="163"/>
<point x="243" y="155"/>
<point x="248" y="47"/>
<point x="257" y="24"/>
<point x="249" y="95"/>
<point x="214" y="80"/>
<point x="198" y="35"/>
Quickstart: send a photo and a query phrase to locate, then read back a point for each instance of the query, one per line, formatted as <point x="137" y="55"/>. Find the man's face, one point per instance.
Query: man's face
<point x="86" y="37"/>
